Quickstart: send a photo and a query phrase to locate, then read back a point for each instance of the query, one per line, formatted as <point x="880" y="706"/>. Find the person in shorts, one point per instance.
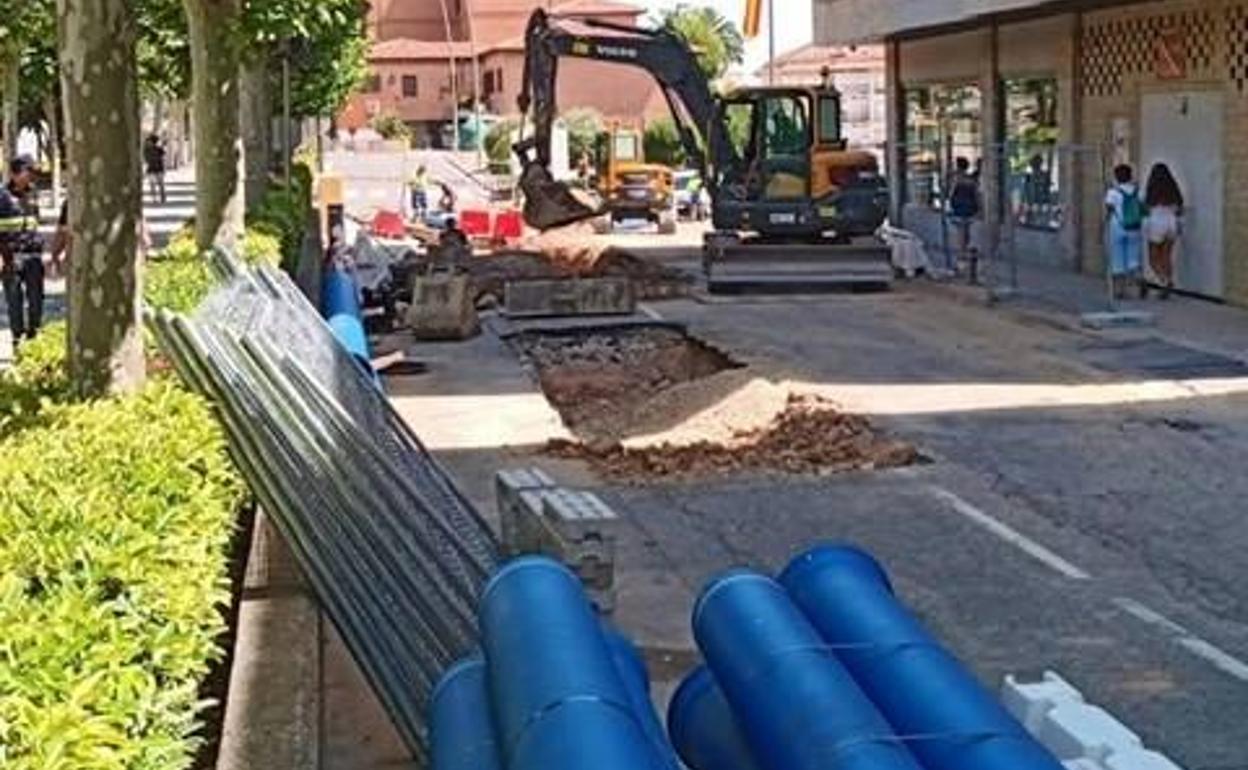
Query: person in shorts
<point x="1162" y="226"/>
<point x="1124" y="214"/>
<point x="965" y="205"/>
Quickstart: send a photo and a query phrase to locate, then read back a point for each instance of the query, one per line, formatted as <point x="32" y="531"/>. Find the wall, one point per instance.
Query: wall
<point x="852" y="21"/>
<point x="1033" y="49"/>
<point x="1119" y="66"/>
<point x="433" y="81"/>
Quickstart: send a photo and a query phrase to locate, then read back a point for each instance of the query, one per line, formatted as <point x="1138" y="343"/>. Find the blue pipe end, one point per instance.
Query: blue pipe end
<point x="833" y="556"/>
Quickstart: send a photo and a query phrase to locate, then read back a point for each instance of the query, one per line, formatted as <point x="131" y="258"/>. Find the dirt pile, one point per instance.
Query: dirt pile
<point x="574" y="254"/>
<point x="809" y="437"/>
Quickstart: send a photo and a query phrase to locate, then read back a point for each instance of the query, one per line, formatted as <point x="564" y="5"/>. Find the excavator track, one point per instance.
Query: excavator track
<point x="734" y="265"/>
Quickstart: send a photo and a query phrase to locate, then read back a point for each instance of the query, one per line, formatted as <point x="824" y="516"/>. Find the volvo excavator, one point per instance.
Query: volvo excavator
<point x="791" y="205"/>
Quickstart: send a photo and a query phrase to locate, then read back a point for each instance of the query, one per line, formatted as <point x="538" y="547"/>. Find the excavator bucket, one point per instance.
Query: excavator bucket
<point x="549" y="203"/>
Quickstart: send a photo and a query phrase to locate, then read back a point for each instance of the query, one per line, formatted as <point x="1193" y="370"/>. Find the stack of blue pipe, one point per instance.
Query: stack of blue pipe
<point x="340" y="304"/>
<point x="826" y="669"/>
<point x="553" y="687"/>
<point x="822" y="669"/>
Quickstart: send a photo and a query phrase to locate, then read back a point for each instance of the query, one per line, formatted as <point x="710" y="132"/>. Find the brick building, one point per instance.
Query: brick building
<point x="1046" y="96"/>
<point x="412" y="63"/>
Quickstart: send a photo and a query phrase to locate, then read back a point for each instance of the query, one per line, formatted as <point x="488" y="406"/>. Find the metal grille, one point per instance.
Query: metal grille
<point x="1237" y="47"/>
<point x="1121" y="48"/>
<point x="394" y="551"/>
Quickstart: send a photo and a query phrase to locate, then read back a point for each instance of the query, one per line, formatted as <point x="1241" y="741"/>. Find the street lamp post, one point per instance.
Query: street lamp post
<point x="450" y="47"/>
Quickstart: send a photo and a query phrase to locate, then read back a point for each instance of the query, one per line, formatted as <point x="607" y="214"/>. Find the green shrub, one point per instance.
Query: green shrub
<point x="39" y="376"/>
<point x="177" y="283"/>
<point x="283" y="214"/>
<point x="662" y="143"/>
<point x="115" y="518"/>
<point x="392" y="128"/>
<point x="261" y="247"/>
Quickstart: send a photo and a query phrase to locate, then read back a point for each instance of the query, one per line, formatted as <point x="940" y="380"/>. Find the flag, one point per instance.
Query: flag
<point x="753" y="18"/>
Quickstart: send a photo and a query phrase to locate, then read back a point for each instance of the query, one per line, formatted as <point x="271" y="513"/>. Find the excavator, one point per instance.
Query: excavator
<point x="792" y="207"/>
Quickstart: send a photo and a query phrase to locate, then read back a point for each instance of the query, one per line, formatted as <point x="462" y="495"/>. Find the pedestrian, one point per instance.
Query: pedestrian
<point x="447" y="203"/>
<point x="21" y="250"/>
<point x="419" y="194"/>
<point x="1163" y="226"/>
<point x="1124" y="213"/>
<point x="964" y="207"/>
<point x="154" y="155"/>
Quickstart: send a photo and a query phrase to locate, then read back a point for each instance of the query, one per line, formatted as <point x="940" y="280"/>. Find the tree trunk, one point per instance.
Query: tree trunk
<point x="218" y="144"/>
<point x="257" y="120"/>
<point x="12" y="100"/>
<point x="99" y="82"/>
<point x="51" y="110"/>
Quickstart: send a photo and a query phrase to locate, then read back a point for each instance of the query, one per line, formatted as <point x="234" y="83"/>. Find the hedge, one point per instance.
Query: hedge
<point x="116" y="518"/>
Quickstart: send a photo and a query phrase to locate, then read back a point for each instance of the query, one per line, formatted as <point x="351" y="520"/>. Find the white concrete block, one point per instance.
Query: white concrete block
<point x="1030" y="701"/>
<point x="1077" y="730"/>
<point x="1139" y="759"/>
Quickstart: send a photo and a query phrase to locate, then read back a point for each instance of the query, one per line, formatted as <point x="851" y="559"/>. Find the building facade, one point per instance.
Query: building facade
<point x="420" y="75"/>
<point x="1046" y="98"/>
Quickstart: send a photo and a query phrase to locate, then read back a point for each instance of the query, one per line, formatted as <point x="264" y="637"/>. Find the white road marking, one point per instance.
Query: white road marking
<point x="1221" y="659"/>
<point x="649" y="311"/>
<point x="1011" y="536"/>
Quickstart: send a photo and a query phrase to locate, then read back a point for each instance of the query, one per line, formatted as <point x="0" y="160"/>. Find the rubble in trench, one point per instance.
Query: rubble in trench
<point x="650" y="403"/>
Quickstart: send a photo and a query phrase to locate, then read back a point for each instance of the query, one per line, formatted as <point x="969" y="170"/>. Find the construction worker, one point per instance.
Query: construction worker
<point x="21" y="250"/>
<point x="418" y="186"/>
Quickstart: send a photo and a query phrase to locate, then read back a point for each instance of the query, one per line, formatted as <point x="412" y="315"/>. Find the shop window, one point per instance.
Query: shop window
<point x="1033" y="163"/>
<point x="411" y="86"/>
<point x="943" y="123"/>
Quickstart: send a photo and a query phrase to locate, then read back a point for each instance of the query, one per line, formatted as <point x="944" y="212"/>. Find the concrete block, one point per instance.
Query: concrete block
<point x="574" y="526"/>
<point x="1029" y="702"/>
<point x="570" y="297"/>
<point x="1080" y="731"/>
<point x="1139" y="759"/>
<point x="515" y="511"/>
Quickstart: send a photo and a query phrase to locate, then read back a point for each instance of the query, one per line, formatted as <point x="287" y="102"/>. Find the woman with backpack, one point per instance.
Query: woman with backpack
<point x="1165" y="206"/>
<point x="1124" y="212"/>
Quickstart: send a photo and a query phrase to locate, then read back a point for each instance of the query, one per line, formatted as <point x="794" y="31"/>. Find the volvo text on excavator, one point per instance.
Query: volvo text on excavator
<point x="791" y="205"/>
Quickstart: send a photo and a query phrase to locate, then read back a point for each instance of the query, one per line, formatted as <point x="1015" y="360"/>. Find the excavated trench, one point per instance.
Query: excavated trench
<point x="652" y="402"/>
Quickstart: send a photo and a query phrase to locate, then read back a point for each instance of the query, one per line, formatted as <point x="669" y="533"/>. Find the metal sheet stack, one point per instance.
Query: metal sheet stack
<point x="395" y="552"/>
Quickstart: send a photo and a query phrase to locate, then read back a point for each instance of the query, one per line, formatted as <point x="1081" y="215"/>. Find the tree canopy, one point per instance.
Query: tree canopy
<point x="714" y="39"/>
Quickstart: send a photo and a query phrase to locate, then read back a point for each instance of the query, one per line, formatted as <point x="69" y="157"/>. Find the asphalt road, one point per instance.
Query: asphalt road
<point x="1082" y="512"/>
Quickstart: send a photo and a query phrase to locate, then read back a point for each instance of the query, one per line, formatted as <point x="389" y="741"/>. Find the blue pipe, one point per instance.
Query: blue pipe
<point x="340" y="304"/>
<point x="559" y="700"/>
<point x="636" y="678"/>
<point x="917" y="684"/>
<point x="797" y="705"/>
<point x="460" y="730"/>
<point x="703" y="729"/>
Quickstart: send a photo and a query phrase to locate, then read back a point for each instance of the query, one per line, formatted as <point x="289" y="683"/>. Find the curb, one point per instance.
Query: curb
<point x="273" y="716"/>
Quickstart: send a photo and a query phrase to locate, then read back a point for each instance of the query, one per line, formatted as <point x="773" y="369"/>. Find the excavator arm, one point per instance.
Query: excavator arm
<point x="703" y="132"/>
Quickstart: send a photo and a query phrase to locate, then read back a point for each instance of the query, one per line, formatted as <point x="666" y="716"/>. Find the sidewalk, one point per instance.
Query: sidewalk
<point x="1064" y="297"/>
<point x="163" y="220"/>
